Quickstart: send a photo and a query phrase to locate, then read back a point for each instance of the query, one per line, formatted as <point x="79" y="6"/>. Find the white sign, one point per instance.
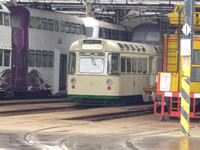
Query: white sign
<point x="165" y="81"/>
<point x="185" y="47"/>
<point x="186" y="29"/>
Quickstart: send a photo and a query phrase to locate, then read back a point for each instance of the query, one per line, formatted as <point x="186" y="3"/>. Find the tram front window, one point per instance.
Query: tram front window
<point x="91" y="65"/>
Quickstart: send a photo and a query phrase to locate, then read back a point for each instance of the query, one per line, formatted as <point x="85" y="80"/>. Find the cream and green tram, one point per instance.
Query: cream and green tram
<point x="107" y="71"/>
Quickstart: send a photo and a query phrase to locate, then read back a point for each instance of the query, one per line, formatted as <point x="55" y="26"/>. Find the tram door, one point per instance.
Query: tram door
<point x="63" y="72"/>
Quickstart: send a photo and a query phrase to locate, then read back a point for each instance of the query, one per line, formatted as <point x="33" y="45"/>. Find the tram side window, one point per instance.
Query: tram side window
<point x="129" y="63"/>
<point x="78" y="29"/>
<point x="150" y="64"/>
<point x="31" y="58"/>
<point x="103" y="33"/>
<point x="6" y="58"/>
<point x="38" y="58"/>
<point x="139" y="65"/>
<point x="1" y="18"/>
<point x="1" y="57"/>
<point x="6" y="19"/>
<point x="123" y="64"/>
<point x="38" y="22"/>
<point x="56" y="25"/>
<point x="67" y="27"/>
<point x="51" y="24"/>
<point x="72" y="63"/>
<point x="134" y="65"/>
<point x="144" y="65"/>
<point x="72" y="27"/>
<point x="83" y="29"/>
<point x="51" y="59"/>
<point x="113" y="63"/>
<point x="44" y="24"/>
<point x="62" y="26"/>
<point x="32" y="22"/>
<point x="44" y="58"/>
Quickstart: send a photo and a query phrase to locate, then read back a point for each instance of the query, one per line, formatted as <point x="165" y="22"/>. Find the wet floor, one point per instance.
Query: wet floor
<point x="166" y="143"/>
<point x="17" y="141"/>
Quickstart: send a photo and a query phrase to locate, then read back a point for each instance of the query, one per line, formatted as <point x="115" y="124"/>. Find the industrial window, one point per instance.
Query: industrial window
<point x="117" y="35"/>
<point x="195" y="72"/>
<point x="78" y="29"/>
<point x="44" y="24"/>
<point x="139" y="65"/>
<point x="153" y="36"/>
<point x="31" y="58"/>
<point x="38" y="58"/>
<point x="109" y="34"/>
<point x="51" y="24"/>
<point x="44" y="58"/>
<point x="56" y="25"/>
<point x="129" y="65"/>
<point x="1" y="18"/>
<point x="38" y="22"/>
<point x="122" y="35"/>
<point x="62" y="26"/>
<point x="196" y="57"/>
<point x="6" y="58"/>
<point x="51" y="59"/>
<point x="123" y="64"/>
<point x="83" y="30"/>
<point x="134" y="65"/>
<point x="1" y="57"/>
<point x="72" y="63"/>
<point x="6" y="19"/>
<point x="113" y="63"/>
<point x="114" y="37"/>
<point x="72" y="28"/>
<point x="139" y="36"/>
<point x="32" y="22"/>
<point x="67" y="27"/>
<point x="144" y="65"/>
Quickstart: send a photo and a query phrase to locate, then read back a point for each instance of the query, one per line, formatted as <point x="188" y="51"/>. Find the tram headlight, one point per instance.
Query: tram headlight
<point x="73" y="80"/>
<point x="109" y="82"/>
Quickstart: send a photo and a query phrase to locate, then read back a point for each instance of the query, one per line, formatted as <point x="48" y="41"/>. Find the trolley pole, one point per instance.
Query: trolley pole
<point x="186" y="50"/>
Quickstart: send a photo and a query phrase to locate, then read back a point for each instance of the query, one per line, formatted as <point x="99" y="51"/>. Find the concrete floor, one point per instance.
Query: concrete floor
<point x="52" y="131"/>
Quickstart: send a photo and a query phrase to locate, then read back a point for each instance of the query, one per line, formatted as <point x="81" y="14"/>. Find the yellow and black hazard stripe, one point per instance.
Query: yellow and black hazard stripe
<point x="185" y="98"/>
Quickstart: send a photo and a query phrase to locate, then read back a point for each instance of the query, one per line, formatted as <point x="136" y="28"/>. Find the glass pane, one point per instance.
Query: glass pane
<point x="44" y="58"/>
<point x="91" y="65"/>
<point x="38" y="22"/>
<point x="195" y="74"/>
<point x="113" y="63"/>
<point x="15" y="21"/>
<point x="67" y="27"/>
<point x="51" y="24"/>
<point x="56" y="25"/>
<point x="83" y="30"/>
<point x="78" y="29"/>
<point x="139" y="36"/>
<point x="144" y="65"/>
<point x="51" y="59"/>
<point x="44" y="24"/>
<point x="72" y="63"/>
<point x="6" y="19"/>
<point x="62" y="26"/>
<point x="32" y="22"/>
<point x="1" y="18"/>
<point x="128" y="65"/>
<point x="139" y="65"/>
<point x="72" y="27"/>
<point x="134" y="65"/>
<point x="123" y="64"/>
<point x="1" y="57"/>
<point x="31" y="58"/>
<point x="196" y="57"/>
<point x="153" y="36"/>
<point x="38" y="58"/>
<point x="6" y="58"/>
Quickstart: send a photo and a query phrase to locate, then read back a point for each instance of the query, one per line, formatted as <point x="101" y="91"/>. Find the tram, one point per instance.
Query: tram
<point x="108" y="71"/>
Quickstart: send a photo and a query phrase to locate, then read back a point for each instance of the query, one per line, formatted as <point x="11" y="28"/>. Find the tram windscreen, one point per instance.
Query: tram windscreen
<point x="91" y="65"/>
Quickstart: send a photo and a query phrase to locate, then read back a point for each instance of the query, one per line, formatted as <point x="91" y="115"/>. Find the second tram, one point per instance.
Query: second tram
<point x="108" y="71"/>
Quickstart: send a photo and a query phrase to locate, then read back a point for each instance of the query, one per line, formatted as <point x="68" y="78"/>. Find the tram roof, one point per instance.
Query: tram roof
<point x="112" y="46"/>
